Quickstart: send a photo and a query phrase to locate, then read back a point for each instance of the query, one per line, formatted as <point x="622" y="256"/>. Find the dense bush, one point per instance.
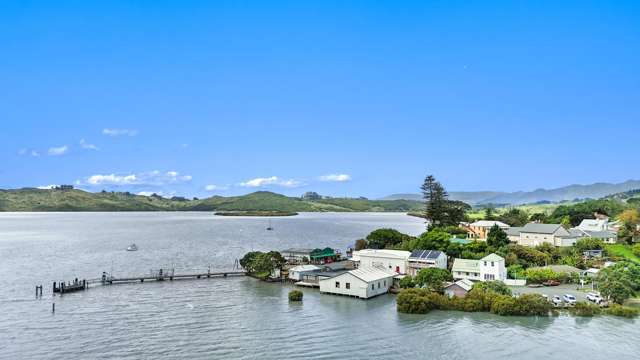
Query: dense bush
<point x="624" y="311"/>
<point x="433" y="278"/>
<point x="583" y="308"/>
<point x="422" y="301"/>
<point x="538" y="276"/>
<point x="407" y="282"/>
<point x="386" y="238"/>
<point x="497" y="287"/>
<point x="295" y="295"/>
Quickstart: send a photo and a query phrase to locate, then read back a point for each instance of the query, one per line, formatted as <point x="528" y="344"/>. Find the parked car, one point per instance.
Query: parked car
<point x="569" y="299"/>
<point x="595" y="297"/>
<point x="556" y="300"/>
<point x="551" y="283"/>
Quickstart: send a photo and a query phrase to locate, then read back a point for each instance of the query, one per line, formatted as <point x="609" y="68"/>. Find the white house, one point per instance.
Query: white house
<point x="608" y="236"/>
<point x="490" y="267"/>
<point x="298" y="272"/>
<point x="364" y="283"/>
<point x="392" y="260"/>
<point x="422" y="259"/>
<point x="534" y="234"/>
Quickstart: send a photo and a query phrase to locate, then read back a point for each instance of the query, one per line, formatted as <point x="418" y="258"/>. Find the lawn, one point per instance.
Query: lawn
<point x="622" y="251"/>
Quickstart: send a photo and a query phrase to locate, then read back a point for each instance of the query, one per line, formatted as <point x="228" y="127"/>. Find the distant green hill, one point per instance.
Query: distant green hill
<point x="30" y="199"/>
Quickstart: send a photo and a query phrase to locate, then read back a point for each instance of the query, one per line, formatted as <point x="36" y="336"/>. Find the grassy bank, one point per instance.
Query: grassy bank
<point x="623" y="251"/>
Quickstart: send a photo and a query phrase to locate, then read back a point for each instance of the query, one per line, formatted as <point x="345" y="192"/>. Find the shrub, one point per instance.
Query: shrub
<point x="295" y="295"/>
<point x="583" y="308"/>
<point x="496" y="286"/>
<point x="503" y="305"/>
<point x="533" y="304"/>
<point x="624" y="311"/>
<point x="537" y="276"/>
<point x="433" y="278"/>
<point x="407" y="282"/>
<point x="414" y="301"/>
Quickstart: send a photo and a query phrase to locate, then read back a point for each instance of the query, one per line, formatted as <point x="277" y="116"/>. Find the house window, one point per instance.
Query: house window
<point x="373" y="286"/>
<point x="347" y="286"/>
<point x="337" y="284"/>
<point x="378" y="284"/>
<point x="485" y="263"/>
<point x="385" y="283"/>
<point x="492" y="264"/>
<point x="467" y="274"/>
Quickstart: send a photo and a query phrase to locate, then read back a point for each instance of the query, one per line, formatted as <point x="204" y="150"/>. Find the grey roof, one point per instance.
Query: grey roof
<point x="600" y="234"/>
<point x="541" y="228"/>
<point x="425" y="254"/>
<point x="514" y="231"/>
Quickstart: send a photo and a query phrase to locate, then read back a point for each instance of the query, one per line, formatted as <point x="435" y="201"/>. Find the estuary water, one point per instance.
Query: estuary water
<point x="241" y="318"/>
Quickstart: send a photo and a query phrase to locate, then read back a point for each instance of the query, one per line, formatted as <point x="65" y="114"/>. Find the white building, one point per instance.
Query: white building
<point x="534" y="234"/>
<point x="297" y="273"/>
<point x="490" y="267"/>
<point x="296" y="255"/>
<point x="422" y="259"/>
<point x="392" y="260"/>
<point x="364" y="283"/>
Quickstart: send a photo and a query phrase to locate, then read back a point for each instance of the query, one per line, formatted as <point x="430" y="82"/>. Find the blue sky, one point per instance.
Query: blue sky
<point x="344" y="98"/>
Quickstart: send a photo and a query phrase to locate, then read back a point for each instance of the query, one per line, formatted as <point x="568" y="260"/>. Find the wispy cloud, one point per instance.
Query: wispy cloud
<point x="152" y="178"/>
<point x="85" y="145"/>
<point x="58" y="151"/>
<point x="28" y="152"/>
<point x="119" y="132"/>
<point x="213" y="187"/>
<point x="270" y="181"/>
<point x="335" y="178"/>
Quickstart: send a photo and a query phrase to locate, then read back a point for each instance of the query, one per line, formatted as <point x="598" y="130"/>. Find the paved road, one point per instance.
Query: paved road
<point x="581" y="295"/>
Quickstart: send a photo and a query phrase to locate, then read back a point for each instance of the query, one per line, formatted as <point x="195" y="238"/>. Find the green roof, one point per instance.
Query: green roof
<point x="466" y="265"/>
<point x="324" y="253"/>
<point x="456" y="240"/>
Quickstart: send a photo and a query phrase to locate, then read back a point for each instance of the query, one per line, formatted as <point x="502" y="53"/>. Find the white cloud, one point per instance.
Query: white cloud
<point x="270" y="181"/>
<point x="28" y="152"/>
<point x="120" y="132"/>
<point x="213" y="187"/>
<point x="335" y="178"/>
<point x="47" y="187"/>
<point x="57" y="151"/>
<point x="85" y="145"/>
<point x="153" y="178"/>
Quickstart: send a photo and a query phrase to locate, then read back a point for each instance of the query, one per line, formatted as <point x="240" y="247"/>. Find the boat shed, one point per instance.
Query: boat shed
<point x="364" y="283"/>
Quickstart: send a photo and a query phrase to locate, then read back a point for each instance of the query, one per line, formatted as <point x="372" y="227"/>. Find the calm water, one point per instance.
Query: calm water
<point x="241" y="317"/>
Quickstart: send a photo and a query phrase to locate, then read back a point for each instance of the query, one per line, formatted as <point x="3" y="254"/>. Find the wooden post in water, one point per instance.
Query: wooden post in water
<point x="53" y="308"/>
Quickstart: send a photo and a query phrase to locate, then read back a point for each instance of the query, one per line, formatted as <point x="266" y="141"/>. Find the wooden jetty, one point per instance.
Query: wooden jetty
<point x="161" y="275"/>
<point x="157" y="275"/>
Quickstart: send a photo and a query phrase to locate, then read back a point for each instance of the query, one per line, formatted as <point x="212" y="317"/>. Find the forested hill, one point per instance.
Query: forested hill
<point x="30" y="199"/>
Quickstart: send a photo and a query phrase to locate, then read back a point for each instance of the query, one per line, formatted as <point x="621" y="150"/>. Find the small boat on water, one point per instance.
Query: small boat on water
<point x="269" y="228"/>
<point x="132" y="247"/>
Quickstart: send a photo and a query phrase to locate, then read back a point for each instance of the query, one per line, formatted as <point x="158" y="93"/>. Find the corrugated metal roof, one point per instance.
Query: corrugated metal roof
<point x="465" y="284"/>
<point x="368" y="274"/>
<point x="394" y="254"/>
<point x="300" y="268"/>
<point x="488" y="223"/>
<point x="492" y="257"/>
<point x="466" y="265"/>
<point x="514" y="231"/>
<point x="541" y="228"/>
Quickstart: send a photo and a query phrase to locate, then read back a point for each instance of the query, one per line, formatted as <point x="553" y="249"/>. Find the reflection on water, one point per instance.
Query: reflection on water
<point x="241" y="317"/>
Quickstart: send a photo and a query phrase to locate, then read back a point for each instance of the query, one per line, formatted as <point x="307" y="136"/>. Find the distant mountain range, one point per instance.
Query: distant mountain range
<point x="571" y="192"/>
<point x="30" y="199"/>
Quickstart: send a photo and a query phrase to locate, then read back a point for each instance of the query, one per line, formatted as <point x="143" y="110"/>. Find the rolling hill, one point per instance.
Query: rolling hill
<point x="566" y="193"/>
<point x="30" y="199"/>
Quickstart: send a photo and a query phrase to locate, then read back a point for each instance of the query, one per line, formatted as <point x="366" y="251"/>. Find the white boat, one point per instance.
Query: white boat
<point x="132" y="247"/>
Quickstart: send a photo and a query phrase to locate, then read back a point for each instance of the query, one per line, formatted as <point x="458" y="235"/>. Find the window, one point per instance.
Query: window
<point x="373" y="286"/>
<point x="390" y="266"/>
<point x="489" y="277"/>
<point x="385" y="283"/>
<point x="492" y="264"/>
<point x="347" y="286"/>
<point x="485" y="263"/>
<point x="337" y="284"/>
<point x="467" y="274"/>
